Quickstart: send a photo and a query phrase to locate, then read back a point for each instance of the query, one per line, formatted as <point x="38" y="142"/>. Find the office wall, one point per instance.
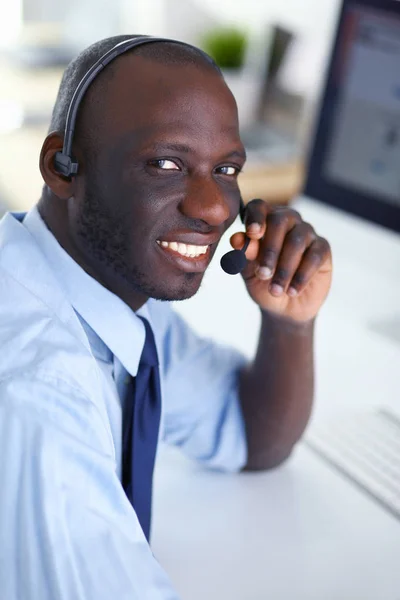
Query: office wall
<point x="187" y="18"/>
<point x="314" y="18"/>
<point x="74" y="24"/>
<point x="313" y="21"/>
<point x="43" y="10"/>
<point x="180" y="19"/>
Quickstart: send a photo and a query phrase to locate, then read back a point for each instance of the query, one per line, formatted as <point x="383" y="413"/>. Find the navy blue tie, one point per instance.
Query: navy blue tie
<point x="141" y="423"/>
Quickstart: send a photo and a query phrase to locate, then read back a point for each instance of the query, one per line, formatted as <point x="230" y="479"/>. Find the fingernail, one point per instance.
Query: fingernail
<point x="254" y="228"/>
<point x="276" y="289"/>
<point x="264" y="273"/>
<point x="292" y="292"/>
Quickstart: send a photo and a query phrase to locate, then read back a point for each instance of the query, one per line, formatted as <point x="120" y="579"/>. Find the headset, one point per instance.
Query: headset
<point x="233" y="262"/>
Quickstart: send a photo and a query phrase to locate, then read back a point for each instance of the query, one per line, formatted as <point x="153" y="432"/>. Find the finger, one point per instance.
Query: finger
<point x="279" y="222"/>
<point x="255" y="217"/>
<point x="296" y="242"/>
<point x="238" y="240"/>
<point x="315" y="257"/>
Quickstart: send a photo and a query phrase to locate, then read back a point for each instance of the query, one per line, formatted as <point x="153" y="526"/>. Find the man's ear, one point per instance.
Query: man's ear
<point x="62" y="187"/>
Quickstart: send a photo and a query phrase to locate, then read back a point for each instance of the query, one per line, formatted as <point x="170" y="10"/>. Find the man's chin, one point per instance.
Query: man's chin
<point x="182" y="291"/>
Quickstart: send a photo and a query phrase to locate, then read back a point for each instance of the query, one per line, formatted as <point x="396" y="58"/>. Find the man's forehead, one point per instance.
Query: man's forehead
<point x="137" y="79"/>
<point x="143" y="102"/>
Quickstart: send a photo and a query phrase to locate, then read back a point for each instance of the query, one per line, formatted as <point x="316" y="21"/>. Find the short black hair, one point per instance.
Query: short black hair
<point x="169" y="53"/>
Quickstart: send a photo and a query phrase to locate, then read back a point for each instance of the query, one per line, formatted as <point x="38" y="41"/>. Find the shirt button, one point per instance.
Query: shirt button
<point x="127" y="379"/>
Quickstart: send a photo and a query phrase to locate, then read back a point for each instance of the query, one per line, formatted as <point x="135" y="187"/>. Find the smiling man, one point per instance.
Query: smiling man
<point x="96" y="367"/>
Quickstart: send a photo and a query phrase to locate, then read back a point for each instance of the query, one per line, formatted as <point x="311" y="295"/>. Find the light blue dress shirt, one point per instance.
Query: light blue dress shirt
<point x="67" y="529"/>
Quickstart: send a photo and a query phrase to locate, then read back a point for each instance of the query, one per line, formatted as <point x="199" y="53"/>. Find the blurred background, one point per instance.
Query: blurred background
<point x="302" y="519"/>
<point x="272" y="54"/>
<point x="274" y="57"/>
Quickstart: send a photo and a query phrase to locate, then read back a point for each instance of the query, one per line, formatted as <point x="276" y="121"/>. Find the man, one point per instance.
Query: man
<point x="83" y="277"/>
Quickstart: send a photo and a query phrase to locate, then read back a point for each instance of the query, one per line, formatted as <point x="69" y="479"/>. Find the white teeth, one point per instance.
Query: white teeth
<point x="188" y="250"/>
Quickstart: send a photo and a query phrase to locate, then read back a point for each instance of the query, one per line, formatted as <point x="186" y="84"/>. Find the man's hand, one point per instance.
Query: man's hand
<point x="289" y="271"/>
<point x="288" y="275"/>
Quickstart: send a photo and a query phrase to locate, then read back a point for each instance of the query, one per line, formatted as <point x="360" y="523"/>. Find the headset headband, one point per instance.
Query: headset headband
<point x="63" y="161"/>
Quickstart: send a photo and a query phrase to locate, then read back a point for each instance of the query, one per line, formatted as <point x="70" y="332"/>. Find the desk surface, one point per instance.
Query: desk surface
<point x="297" y="533"/>
<point x="301" y="532"/>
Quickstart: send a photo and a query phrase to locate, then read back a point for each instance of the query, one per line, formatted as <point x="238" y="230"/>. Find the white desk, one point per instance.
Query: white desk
<point x="300" y="532"/>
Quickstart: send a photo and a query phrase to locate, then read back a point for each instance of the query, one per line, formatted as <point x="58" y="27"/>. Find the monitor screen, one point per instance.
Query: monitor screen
<point x="355" y="163"/>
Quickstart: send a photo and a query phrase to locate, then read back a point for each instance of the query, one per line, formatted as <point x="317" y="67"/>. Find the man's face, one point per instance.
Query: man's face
<point x="161" y="188"/>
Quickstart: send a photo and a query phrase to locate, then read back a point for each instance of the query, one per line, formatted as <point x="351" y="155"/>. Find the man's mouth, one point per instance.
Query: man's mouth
<point x="190" y="258"/>
<point x="186" y="250"/>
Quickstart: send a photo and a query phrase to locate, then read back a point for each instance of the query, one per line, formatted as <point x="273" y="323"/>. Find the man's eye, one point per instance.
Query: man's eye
<point x="229" y="170"/>
<point x="165" y="164"/>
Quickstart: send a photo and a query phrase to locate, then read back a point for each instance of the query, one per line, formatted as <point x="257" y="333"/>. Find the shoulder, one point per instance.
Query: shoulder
<point x="49" y="379"/>
<point x="35" y="337"/>
<point x="39" y="404"/>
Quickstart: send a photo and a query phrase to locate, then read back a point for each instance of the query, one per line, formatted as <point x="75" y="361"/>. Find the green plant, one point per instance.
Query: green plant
<point x="227" y="46"/>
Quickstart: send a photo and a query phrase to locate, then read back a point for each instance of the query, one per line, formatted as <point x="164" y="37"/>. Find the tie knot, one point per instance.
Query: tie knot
<point x="149" y="354"/>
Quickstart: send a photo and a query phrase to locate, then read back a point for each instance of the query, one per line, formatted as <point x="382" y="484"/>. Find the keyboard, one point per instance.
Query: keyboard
<point x="365" y="448"/>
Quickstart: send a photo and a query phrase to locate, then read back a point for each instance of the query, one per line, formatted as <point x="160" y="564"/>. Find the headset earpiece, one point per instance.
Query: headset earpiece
<point x="64" y="165"/>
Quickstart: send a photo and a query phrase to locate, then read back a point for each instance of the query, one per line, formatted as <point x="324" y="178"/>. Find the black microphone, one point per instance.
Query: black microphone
<point x="235" y="261"/>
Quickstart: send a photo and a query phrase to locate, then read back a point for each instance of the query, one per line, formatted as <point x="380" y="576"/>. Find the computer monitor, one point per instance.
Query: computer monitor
<point x="355" y="160"/>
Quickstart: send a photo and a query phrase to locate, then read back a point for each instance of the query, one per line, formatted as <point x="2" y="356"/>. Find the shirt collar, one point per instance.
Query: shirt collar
<point x="111" y="326"/>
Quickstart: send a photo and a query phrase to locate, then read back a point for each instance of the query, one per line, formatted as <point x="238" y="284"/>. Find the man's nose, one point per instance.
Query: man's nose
<point x="205" y="200"/>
